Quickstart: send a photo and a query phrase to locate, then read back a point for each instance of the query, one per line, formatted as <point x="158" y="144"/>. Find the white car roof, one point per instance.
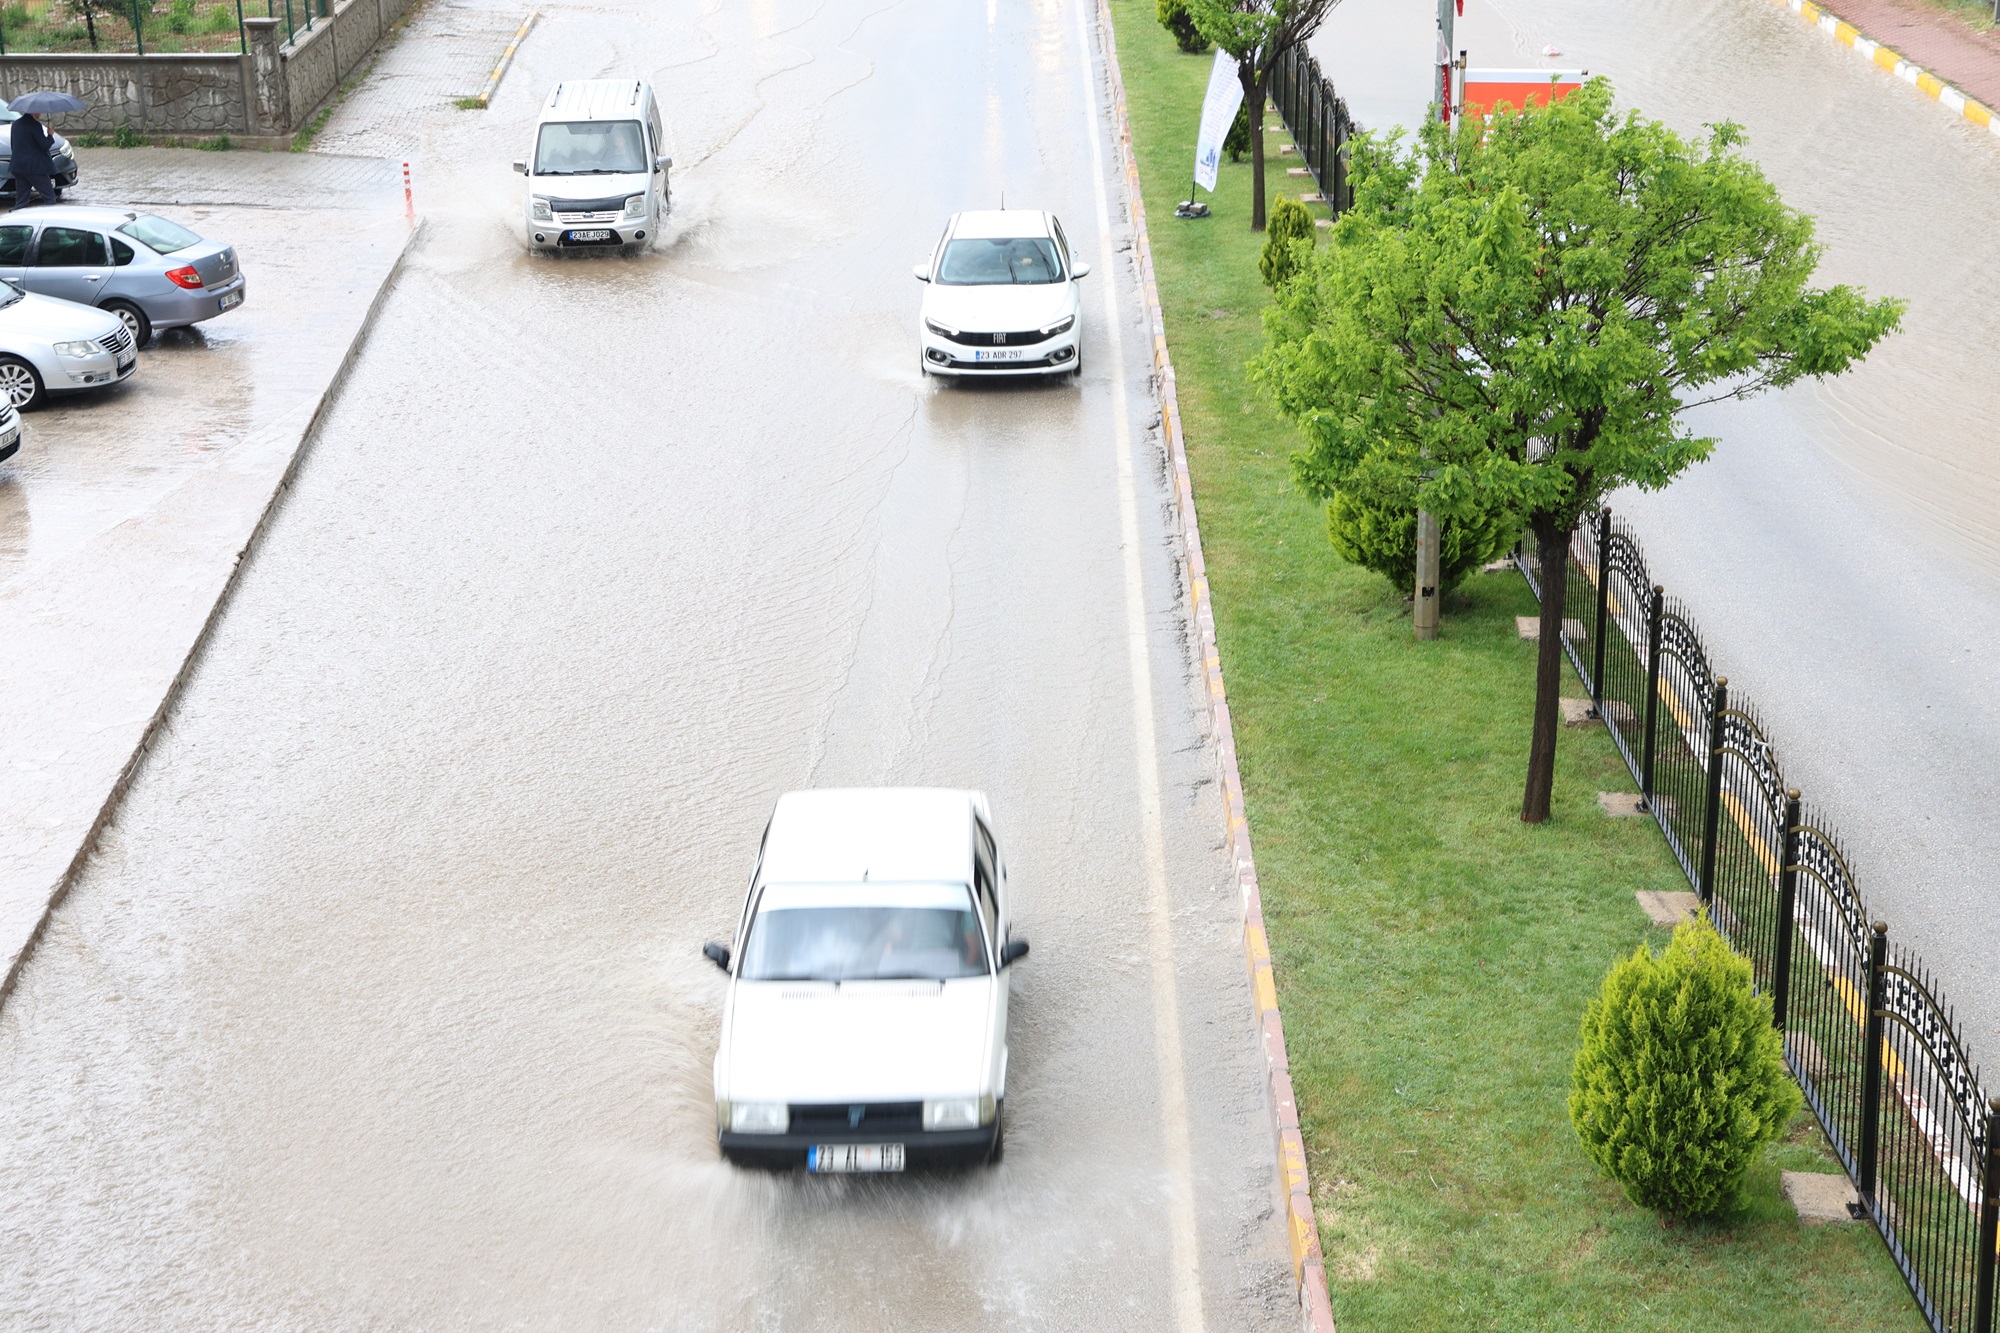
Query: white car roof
<point x="596" y="99"/>
<point x="1002" y="224"/>
<point x="908" y="834"/>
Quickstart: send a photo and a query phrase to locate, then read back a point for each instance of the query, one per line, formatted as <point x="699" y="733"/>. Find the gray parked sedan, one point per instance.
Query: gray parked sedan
<point x="151" y="273"/>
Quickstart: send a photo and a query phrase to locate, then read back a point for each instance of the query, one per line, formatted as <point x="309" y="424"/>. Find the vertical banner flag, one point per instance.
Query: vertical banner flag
<point x="1218" y="109"/>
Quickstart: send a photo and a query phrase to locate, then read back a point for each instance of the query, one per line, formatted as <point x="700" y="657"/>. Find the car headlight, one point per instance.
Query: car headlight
<point x="635" y="207"/>
<point x="1063" y="325"/>
<point x="760" y="1117"/>
<point x="78" y="349"/>
<point x="941" y="330"/>
<point x="958" y="1112"/>
<point x="541" y="211"/>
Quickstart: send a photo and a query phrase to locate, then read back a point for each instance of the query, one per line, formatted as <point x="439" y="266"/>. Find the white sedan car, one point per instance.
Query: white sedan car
<point x="866" y="1021"/>
<point x="1001" y="297"/>
<point x="54" y="346"/>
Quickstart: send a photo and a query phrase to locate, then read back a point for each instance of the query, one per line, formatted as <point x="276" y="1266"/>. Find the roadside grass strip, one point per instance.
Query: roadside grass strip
<point x="1889" y="59"/>
<point x="1431" y="955"/>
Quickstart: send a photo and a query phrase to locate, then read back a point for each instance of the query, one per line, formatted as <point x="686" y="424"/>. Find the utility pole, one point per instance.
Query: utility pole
<point x="1426" y="613"/>
<point x="1448" y="10"/>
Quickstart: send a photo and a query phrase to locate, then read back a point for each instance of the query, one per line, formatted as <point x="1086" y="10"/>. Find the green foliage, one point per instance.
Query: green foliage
<point x="127" y="137"/>
<point x="1288" y="241"/>
<point x="1237" y="142"/>
<point x="1680" y="1078"/>
<point x="1511" y="316"/>
<point x="181" y="16"/>
<point x="1174" y="17"/>
<point x="14" y="17"/>
<point x="221" y="143"/>
<point x="1383" y="538"/>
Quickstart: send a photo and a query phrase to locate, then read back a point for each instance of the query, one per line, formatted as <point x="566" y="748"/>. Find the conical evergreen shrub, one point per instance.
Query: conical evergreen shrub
<point x="1287" y="234"/>
<point x="1680" y="1078"/>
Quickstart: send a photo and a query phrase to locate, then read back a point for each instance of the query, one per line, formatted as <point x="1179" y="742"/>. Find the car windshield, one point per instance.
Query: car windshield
<point x="159" y="234"/>
<point x="982" y="263"/>
<point x="590" y="148"/>
<point x="801" y="942"/>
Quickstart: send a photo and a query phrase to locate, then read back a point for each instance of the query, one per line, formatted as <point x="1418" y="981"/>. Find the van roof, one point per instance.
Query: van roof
<point x="596" y="99"/>
<point x="882" y="834"/>
<point x="1002" y="224"/>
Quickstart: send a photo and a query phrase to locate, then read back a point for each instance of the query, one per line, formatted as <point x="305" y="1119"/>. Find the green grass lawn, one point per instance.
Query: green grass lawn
<point x="1433" y="953"/>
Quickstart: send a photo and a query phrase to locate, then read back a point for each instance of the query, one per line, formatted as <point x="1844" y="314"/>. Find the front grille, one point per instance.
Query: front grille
<point x="874" y="1118"/>
<point x="585" y="219"/>
<point x="117" y="342"/>
<point x="611" y="205"/>
<point x="996" y="339"/>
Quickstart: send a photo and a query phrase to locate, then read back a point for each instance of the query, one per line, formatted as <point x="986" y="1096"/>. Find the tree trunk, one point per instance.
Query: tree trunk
<point x="1256" y="101"/>
<point x="1552" y="544"/>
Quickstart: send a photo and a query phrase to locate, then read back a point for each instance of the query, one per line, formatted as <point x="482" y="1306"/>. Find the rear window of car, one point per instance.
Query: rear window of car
<point x="987" y="263"/>
<point x="159" y="234"/>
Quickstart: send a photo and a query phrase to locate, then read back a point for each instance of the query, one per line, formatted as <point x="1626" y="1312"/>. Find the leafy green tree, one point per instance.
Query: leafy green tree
<point x="1513" y="317"/>
<point x="1680" y="1078"/>
<point x="1173" y="16"/>
<point x="1380" y="533"/>
<point x="1290" y="238"/>
<point x="1257" y="34"/>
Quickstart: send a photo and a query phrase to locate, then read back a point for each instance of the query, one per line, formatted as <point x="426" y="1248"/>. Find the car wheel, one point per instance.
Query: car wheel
<point x="21" y="384"/>
<point x="133" y="318"/>
<point x="999" y="1142"/>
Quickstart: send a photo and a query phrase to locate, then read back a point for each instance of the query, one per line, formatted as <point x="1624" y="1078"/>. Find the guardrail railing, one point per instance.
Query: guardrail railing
<point x="1318" y="122"/>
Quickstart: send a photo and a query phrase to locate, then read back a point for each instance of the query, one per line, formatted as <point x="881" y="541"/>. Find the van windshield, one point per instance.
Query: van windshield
<point x="590" y="148"/>
<point x="864" y="943"/>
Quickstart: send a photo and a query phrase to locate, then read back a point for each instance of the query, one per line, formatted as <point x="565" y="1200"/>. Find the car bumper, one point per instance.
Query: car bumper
<point x="91" y="372"/>
<point x="10" y="443"/>
<point x="1052" y="356"/>
<point x="951" y="1147"/>
<point x="181" y="308"/>
<point x="63" y="178"/>
<point x="564" y="236"/>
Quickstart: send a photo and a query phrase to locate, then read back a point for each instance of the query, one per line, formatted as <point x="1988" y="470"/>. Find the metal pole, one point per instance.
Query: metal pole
<point x="1603" y="606"/>
<point x="1426" y="613"/>
<point x="1989" y="1225"/>
<point x="138" y="29"/>
<point x="1788" y="909"/>
<point x="1654" y="610"/>
<point x="1871" y="1066"/>
<point x="242" y="36"/>
<point x="1712" y="815"/>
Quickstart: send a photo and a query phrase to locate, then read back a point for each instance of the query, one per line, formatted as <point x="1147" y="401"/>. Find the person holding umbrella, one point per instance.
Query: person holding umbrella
<point x="34" y="163"/>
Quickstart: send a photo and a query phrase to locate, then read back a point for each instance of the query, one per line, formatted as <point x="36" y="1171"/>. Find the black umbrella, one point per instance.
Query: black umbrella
<point x="44" y="103"/>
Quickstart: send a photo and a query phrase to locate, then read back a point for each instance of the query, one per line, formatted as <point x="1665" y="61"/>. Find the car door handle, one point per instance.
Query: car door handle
<point x="93" y="277"/>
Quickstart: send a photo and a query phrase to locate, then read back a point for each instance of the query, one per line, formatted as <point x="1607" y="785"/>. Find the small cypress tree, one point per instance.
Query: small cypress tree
<point x="1383" y="537"/>
<point x="1290" y="223"/>
<point x="1173" y="16"/>
<point x="1680" y="1078"/>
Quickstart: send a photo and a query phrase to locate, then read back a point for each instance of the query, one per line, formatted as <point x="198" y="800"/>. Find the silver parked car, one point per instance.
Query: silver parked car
<point x="151" y="273"/>
<point x="50" y="346"/>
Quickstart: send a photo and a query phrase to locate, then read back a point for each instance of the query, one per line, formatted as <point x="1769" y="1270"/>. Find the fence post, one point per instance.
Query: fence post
<point x="1788" y="910"/>
<point x="1603" y="607"/>
<point x="138" y="30"/>
<point x="1711" y="819"/>
<point x="1654" y="610"/>
<point x="1989" y="1225"/>
<point x="1871" y="1066"/>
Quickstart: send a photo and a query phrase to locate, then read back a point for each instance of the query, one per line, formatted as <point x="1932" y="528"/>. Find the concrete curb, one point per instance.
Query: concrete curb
<point x="1889" y="59"/>
<point x="1308" y="1266"/>
<point x="109" y="809"/>
<point x="485" y="95"/>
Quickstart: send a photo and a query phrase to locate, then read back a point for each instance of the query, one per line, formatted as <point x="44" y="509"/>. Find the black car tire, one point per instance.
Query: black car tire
<point x="18" y="377"/>
<point x="999" y="1139"/>
<point x="135" y="319"/>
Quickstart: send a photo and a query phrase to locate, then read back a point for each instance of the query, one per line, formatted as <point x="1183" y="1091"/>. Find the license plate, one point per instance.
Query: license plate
<point x="1011" y="354"/>
<point x="599" y="235"/>
<point x="826" y="1158"/>
<point x="127" y="361"/>
<point x="230" y="300"/>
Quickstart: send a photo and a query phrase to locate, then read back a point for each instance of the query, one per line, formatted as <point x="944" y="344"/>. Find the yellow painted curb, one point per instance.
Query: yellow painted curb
<point x="1891" y="60"/>
<point x="485" y="97"/>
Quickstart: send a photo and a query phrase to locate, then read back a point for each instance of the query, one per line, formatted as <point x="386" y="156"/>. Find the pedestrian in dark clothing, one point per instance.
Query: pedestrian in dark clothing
<point x="34" y="166"/>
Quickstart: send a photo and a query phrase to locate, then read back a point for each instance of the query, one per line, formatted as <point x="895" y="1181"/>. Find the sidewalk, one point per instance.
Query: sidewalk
<point x="1944" y="45"/>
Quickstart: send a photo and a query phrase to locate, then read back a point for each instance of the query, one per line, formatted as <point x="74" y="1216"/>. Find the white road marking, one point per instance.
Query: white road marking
<point x="1186" y="1273"/>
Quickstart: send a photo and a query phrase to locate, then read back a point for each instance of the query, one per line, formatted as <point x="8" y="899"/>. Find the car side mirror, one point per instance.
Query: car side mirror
<point x="921" y="272"/>
<point x="521" y="167"/>
<point x="1079" y="269"/>
<point x="1013" y="950"/>
<point x="716" y="954"/>
<point x="663" y="164"/>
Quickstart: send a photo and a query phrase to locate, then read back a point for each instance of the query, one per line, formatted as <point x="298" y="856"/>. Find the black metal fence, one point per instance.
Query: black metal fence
<point x="1318" y="122"/>
<point x="1879" y="1055"/>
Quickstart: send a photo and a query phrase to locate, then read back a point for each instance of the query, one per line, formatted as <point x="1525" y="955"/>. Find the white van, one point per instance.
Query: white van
<point x="597" y="170"/>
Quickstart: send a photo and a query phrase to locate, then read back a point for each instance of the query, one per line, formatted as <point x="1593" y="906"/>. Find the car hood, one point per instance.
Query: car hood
<point x="876" y="1041"/>
<point x="590" y="188"/>
<point x="54" y="320"/>
<point x="999" y="309"/>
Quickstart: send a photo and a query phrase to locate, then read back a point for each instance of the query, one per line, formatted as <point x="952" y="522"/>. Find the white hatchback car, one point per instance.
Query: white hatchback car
<point x="866" y="1021"/>
<point x="1001" y="297"/>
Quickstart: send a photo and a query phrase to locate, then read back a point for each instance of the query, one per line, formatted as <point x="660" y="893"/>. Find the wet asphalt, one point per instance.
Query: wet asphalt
<point x="382" y="1003"/>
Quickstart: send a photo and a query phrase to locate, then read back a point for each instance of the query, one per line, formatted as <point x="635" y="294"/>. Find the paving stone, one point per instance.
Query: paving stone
<point x="1505" y="565"/>
<point x="1820" y="1198"/>
<point x="447" y="51"/>
<point x="1668" y="909"/>
<point x="1530" y="628"/>
<point x="1297" y="171"/>
<point x="1579" y="713"/>
<point x="1312" y="198"/>
<point x="1622" y="804"/>
<point x="1807" y="1056"/>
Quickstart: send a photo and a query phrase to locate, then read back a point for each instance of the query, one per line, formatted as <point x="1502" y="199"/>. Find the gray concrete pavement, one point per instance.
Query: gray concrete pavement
<point x="1842" y="547"/>
<point x="124" y="512"/>
<point x="383" y="1006"/>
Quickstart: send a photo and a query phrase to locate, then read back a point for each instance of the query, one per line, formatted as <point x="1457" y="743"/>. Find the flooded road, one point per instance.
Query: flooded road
<point x="1841" y="549"/>
<point x="382" y="1004"/>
